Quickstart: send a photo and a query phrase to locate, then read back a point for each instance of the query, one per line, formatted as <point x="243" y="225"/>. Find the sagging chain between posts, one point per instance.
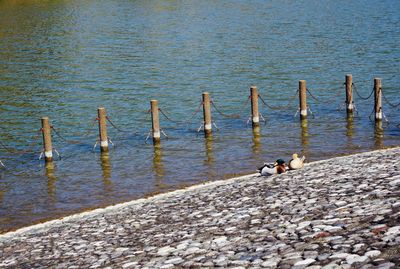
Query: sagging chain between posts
<point x="358" y="94"/>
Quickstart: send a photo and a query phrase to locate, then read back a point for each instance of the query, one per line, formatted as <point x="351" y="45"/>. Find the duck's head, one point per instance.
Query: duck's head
<point x="279" y="162"/>
<point x="295" y="156"/>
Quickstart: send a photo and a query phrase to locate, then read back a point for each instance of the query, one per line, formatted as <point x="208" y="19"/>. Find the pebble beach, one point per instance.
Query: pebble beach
<point x="337" y="213"/>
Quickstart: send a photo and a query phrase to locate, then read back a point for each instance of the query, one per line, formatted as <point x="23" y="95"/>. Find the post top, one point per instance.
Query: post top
<point x="253" y="87"/>
<point x="349" y="75"/>
<point x="101" y="108"/>
<point x="302" y="81"/>
<point x="45" y="118"/>
<point x="205" y="93"/>
<point x="377" y="79"/>
<point x="153" y="101"/>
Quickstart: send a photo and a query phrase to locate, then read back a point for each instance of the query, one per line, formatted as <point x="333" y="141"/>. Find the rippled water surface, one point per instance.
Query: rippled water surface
<point x="64" y="59"/>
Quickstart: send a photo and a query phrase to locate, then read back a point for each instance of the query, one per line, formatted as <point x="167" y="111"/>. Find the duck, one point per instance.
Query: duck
<point x="296" y="162"/>
<point x="271" y="169"/>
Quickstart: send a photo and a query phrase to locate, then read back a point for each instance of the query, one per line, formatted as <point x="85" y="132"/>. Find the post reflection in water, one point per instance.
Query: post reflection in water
<point x="304" y="138"/>
<point x="379" y="134"/>
<point x="350" y="126"/>
<point x="210" y="159"/>
<point x="158" y="166"/>
<point x="51" y="180"/>
<point x="209" y="149"/>
<point x="106" y="169"/>
<point x="256" y="142"/>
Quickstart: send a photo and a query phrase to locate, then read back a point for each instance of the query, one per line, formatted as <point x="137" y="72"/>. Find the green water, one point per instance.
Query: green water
<point x="64" y="59"/>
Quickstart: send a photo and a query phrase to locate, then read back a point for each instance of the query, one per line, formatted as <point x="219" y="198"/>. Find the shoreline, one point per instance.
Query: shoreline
<point x="110" y="208"/>
<point x="343" y="211"/>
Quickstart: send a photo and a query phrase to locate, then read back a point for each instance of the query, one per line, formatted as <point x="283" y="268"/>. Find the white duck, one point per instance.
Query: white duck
<point x="296" y="162"/>
<point x="271" y="169"/>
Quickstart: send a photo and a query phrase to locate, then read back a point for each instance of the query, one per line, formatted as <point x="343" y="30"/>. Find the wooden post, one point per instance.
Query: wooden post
<point x="255" y="115"/>
<point x="378" y="99"/>
<point x="349" y="94"/>
<point x="303" y="99"/>
<point x="101" y="111"/>
<point x="155" y="119"/>
<point x="207" y="113"/>
<point x="47" y="145"/>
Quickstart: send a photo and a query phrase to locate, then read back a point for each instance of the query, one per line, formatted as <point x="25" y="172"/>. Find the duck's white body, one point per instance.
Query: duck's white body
<point x="272" y="169"/>
<point x="296" y="162"/>
<point x="268" y="169"/>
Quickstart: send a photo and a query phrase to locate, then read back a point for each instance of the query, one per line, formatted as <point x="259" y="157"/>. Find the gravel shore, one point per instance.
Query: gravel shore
<point x="337" y="213"/>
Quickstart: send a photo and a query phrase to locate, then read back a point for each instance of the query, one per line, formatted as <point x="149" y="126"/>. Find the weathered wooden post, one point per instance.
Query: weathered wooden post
<point x="255" y="114"/>
<point x="101" y="111"/>
<point x="378" y="99"/>
<point x="155" y="120"/>
<point x="207" y="113"/>
<point x="47" y="145"/>
<point x="349" y="94"/>
<point x="303" y="99"/>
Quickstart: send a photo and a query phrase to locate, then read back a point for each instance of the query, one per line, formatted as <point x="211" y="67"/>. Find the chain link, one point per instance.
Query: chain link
<point x="387" y="100"/>
<point x="64" y="139"/>
<point x="116" y="127"/>
<point x="289" y="105"/>
<point x="358" y="94"/>
<point x="21" y="152"/>
<point x="168" y="118"/>
<point x="232" y="116"/>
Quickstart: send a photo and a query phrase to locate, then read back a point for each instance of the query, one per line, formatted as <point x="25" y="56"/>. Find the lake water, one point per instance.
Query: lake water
<point x="64" y="59"/>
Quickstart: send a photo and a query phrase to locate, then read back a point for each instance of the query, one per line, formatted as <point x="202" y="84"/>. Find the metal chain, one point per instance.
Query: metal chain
<point x="113" y="125"/>
<point x="90" y="128"/>
<point x="195" y="112"/>
<point x="387" y="100"/>
<point x="168" y="118"/>
<point x="363" y="98"/>
<point x="233" y="116"/>
<point x="315" y="98"/>
<point x="312" y="96"/>
<point x="265" y="103"/>
<point x="242" y="110"/>
<point x="63" y="138"/>
<point x="279" y="107"/>
<point x="28" y="150"/>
